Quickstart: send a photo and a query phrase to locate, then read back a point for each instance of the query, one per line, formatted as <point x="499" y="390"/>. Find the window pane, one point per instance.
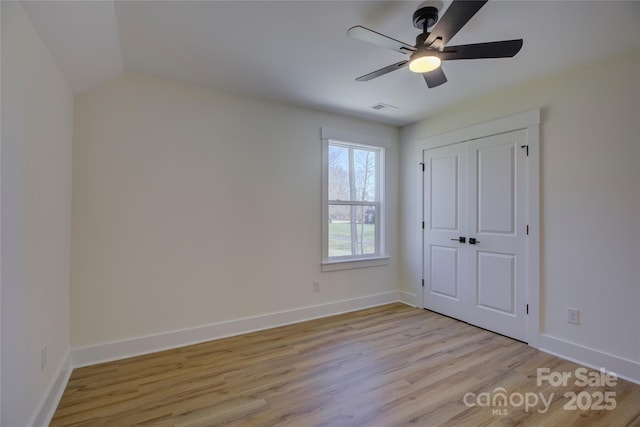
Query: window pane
<point x="338" y="173"/>
<point x="352" y="230"/>
<point x="352" y="173"/>
<point x="364" y="166"/>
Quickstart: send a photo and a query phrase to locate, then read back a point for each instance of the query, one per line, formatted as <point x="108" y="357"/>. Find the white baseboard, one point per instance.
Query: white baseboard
<point x="101" y="353"/>
<point x="408" y="298"/>
<point x="623" y="368"/>
<point x="47" y="406"/>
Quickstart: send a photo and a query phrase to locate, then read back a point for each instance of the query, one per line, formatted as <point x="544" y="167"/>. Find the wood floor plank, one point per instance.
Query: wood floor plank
<point x="386" y="366"/>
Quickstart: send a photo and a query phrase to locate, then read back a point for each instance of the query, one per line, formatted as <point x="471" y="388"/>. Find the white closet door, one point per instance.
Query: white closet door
<point x="445" y="208"/>
<point x="477" y="190"/>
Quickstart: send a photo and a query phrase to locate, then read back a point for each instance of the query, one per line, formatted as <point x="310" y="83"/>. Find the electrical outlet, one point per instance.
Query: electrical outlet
<point x="316" y="286"/>
<point x="573" y="316"/>
<point x="43" y="358"/>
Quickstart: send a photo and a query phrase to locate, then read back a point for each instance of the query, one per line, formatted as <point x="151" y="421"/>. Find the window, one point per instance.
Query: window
<point x="353" y="193"/>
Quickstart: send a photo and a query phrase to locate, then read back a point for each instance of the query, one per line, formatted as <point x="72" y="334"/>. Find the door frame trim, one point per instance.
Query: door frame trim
<point x="529" y="121"/>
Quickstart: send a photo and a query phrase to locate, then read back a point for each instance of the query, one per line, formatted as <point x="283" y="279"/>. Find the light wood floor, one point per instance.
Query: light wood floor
<point x="387" y="366"/>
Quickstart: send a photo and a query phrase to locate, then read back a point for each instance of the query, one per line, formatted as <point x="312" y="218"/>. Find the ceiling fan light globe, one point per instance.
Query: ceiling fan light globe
<point x="424" y="63"/>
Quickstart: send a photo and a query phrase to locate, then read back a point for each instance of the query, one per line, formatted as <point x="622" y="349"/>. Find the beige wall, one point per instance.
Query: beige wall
<point x="192" y="206"/>
<point x="590" y="204"/>
<point x="37" y="114"/>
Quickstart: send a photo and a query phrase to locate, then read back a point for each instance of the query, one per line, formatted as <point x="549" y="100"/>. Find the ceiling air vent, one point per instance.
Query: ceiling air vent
<point x="382" y="106"/>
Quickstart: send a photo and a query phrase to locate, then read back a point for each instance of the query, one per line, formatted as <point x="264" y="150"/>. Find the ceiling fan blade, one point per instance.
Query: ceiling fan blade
<point x="501" y="49"/>
<point x="383" y="71"/>
<point x="435" y="78"/>
<point x="370" y="36"/>
<point x="454" y="18"/>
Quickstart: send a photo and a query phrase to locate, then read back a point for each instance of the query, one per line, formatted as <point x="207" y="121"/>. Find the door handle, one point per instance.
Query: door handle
<point x="460" y="239"/>
<point x="473" y="241"/>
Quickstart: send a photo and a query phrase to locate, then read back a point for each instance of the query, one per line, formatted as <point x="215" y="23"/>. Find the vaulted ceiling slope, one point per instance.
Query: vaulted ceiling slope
<point x="298" y="51"/>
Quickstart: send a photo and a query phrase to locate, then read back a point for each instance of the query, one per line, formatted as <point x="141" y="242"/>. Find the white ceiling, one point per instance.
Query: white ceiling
<point x="298" y="51"/>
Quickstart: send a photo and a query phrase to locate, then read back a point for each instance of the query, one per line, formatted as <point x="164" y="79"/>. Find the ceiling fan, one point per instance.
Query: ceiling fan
<point x="430" y="48"/>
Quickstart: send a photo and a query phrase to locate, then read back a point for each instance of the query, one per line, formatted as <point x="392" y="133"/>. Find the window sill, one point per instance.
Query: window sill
<point x="349" y="264"/>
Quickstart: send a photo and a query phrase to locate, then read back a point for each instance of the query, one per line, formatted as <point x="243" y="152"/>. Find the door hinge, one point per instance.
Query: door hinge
<point x="527" y="229"/>
<point x="423" y="283"/>
<point x="527" y="308"/>
<point x="422" y="164"/>
<point x="526" y="147"/>
<point x="423" y="225"/>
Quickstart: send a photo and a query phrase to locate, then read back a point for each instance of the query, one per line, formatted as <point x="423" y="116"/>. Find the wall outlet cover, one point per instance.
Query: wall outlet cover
<point x="573" y="316"/>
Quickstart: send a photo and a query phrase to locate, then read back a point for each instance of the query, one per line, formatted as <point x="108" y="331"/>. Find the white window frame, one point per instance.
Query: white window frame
<point x="347" y="139"/>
